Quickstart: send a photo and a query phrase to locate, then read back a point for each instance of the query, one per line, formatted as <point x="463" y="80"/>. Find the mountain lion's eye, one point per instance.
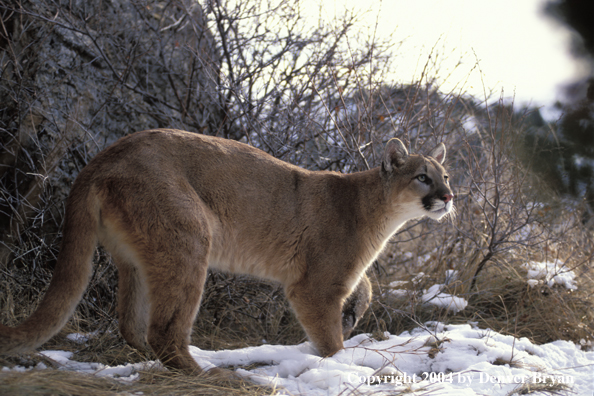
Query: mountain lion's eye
<point x="422" y="178"/>
<point x="446" y="178"/>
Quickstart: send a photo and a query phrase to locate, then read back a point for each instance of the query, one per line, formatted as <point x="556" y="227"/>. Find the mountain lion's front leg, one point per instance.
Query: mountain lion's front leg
<point x="355" y="306"/>
<point x="319" y="310"/>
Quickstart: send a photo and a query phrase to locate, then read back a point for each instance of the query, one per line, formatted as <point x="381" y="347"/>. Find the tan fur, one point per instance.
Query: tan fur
<point x="168" y="204"/>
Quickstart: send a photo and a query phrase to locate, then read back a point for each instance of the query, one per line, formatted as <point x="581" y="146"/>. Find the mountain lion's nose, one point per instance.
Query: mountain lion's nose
<point x="447" y="198"/>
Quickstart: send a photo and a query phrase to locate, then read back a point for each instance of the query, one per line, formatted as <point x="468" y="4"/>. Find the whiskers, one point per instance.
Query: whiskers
<point x="451" y="215"/>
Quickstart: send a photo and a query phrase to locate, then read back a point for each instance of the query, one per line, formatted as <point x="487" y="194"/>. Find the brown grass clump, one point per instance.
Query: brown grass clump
<point x="239" y="311"/>
<point x="505" y="303"/>
<point x="502" y="301"/>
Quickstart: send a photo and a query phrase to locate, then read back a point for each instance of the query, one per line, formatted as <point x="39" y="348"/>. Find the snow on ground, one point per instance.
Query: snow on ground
<point x="439" y="359"/>
<point x="550" y="273"/>
<point x="433" y="295"/>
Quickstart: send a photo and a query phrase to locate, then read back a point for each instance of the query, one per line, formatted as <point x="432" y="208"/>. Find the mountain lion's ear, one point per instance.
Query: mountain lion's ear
<point x="395" y="154"/>
<point x="439" y="153"/>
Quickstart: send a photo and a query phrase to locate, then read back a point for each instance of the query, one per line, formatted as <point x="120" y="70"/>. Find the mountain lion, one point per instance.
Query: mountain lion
<point x="169" y="204"/>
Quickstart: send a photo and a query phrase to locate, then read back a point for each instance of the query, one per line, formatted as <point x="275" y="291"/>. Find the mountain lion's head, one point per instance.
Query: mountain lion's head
<point x="418" y="184"/>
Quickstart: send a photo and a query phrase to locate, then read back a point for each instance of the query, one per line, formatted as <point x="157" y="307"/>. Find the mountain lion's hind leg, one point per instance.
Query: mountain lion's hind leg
<point x="133" y="304"/>
<point x="175" y="290"/>
<point x="175" y="267"/>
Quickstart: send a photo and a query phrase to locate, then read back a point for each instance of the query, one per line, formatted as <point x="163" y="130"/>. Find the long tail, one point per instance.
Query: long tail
<point x="71" y="277"/>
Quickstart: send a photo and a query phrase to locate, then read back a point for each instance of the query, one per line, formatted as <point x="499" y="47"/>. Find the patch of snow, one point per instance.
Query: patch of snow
<point x="81" y="338"/>
<point x="422" y="260"/>
<point x="399" y="293"/>
<point x="434" y="296"/>
<point x="395" y="284"/>
<point x="127" y="372"/>
<point x="418" y="277"/>
<point x="533" y="282"/>
<point x="451" y="276"/>
<point x="551" y="273"/>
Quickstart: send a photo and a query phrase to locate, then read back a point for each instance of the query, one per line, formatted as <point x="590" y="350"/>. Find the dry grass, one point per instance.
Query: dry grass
<point x="240" y="311"/>
<point x="57" y="382"/>
<point x="544" y="388"/>
<point x="503" y="301"/>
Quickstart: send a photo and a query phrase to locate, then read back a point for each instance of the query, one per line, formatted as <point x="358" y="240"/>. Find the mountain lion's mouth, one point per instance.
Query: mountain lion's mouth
<point x="446" y="208"/>
<point x="443" y="208"/>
